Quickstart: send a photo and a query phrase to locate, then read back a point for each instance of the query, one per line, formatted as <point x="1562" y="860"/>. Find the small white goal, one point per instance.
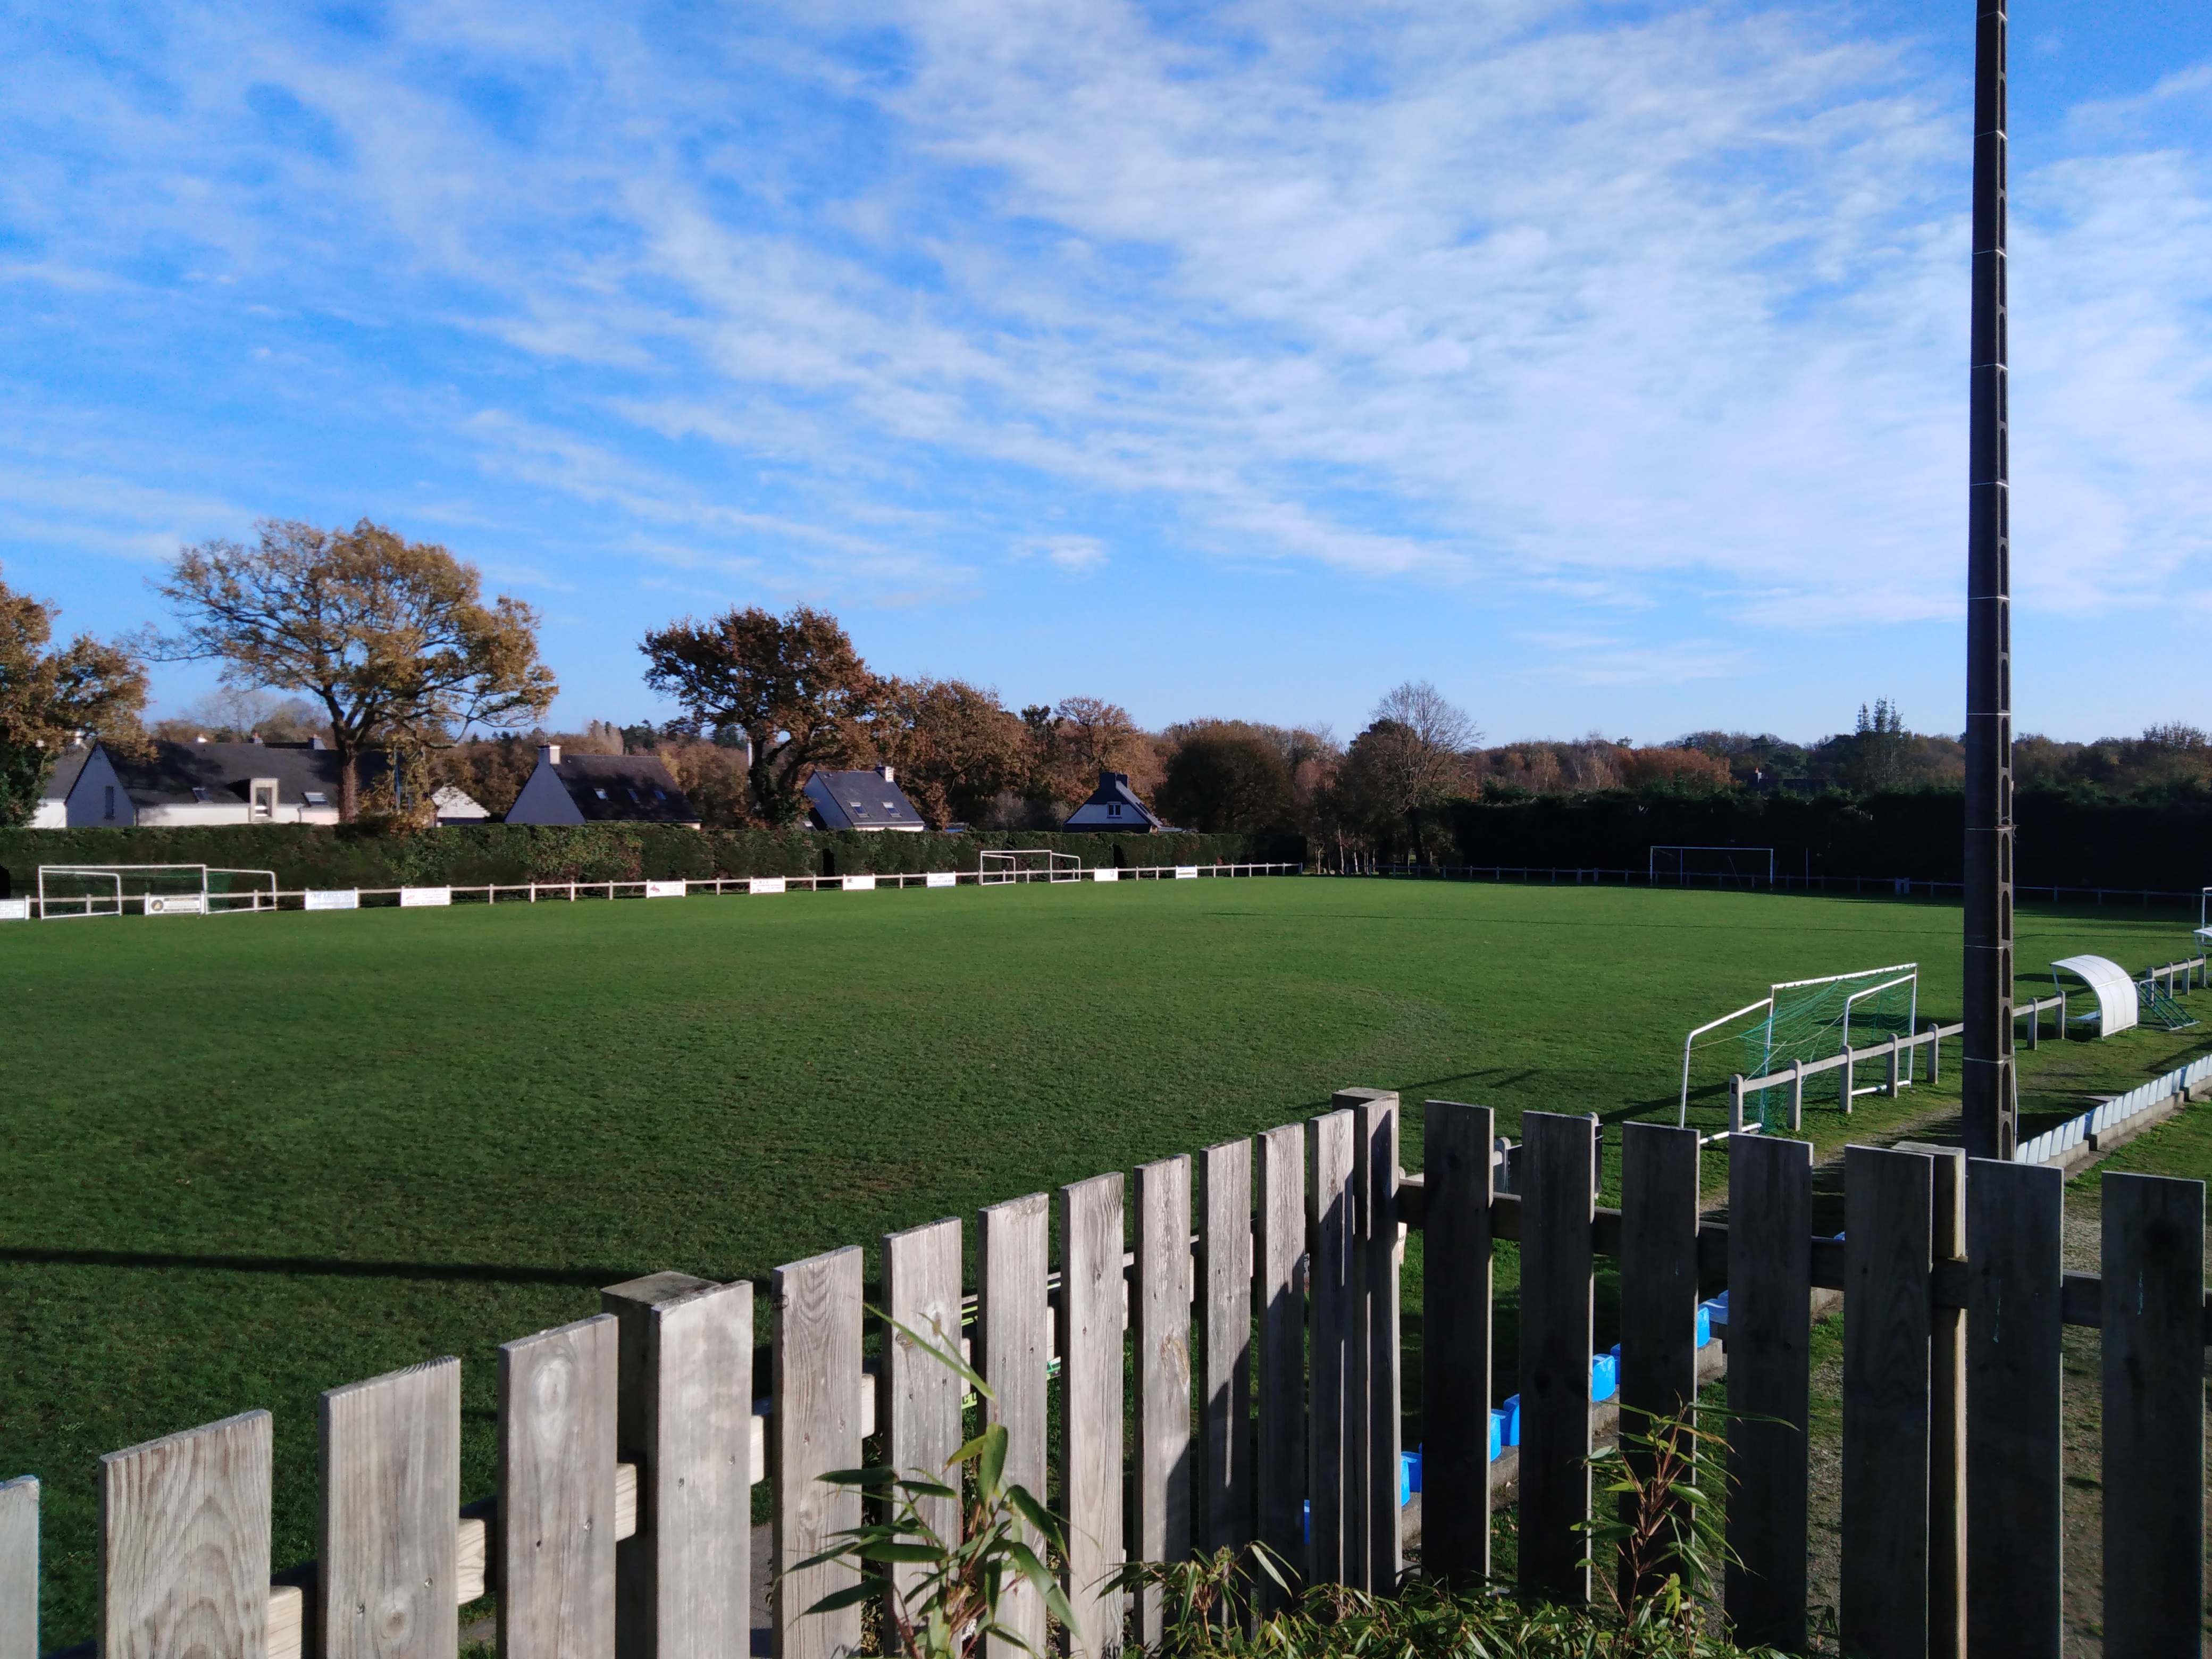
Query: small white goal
<point x="1028" y="864"/>
<point x="152" y="889"/>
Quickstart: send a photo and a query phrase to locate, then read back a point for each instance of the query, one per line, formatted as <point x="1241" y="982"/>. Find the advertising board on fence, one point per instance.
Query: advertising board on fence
<point x="941" y="879"/>
<point x="175" y="904"/>
<point x="15" y="909"/>
<point x="330" y="898"/>
<point x="664" y="890"/>
<point x="1106" y="875"/>
<point x="1186" y="872"/>
<point x="859" y="884"/>
<point x="414" y="898"/>
<point x="765" y="884"/>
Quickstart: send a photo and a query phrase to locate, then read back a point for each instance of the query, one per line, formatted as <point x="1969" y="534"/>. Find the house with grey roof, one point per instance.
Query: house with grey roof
<point x="210" y="783"/>
<point x="860" y="800"/>
<point x="1114" y="805"/>
<point x="52" y="810"/>
<point x="601" y="789"/>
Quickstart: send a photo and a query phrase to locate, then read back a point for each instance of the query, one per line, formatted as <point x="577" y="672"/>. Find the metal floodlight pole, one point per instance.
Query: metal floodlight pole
<point x="1986" y="1078"/>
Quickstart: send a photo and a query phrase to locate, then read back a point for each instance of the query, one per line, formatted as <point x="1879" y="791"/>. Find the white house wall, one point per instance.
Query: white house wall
<point x="86" y="808"/>
<point x="544" y="799"/>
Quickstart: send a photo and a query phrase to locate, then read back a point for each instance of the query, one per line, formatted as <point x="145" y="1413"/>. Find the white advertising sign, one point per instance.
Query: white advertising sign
<point x="416" y="898"/>
<point x="175" y="904"/>
<point x="1186" y="872"/>
<point x="1105" y="875"/>
<point x="766" y="884"/>
<point x="15" y="909"/>
<point x="332" y="898"/>
<point x="941" y="879"/>
<point x="664" y="890"/>
<point x="859" y="884"/>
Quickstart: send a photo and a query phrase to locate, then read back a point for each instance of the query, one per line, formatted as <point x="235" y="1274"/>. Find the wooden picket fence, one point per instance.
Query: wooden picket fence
<point x="1249" y="1297"/>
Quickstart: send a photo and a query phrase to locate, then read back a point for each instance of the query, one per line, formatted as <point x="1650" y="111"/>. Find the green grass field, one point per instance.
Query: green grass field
<point x="247" y="1159"/>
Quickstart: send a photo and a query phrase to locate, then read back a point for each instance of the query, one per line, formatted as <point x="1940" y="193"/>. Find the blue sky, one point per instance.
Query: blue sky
<point x="1602" y="363"/>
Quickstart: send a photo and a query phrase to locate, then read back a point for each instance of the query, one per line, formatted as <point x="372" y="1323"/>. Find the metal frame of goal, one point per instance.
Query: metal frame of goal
<point x="158" y="890"/>
<point x="1738" y="864"/>
<point x="1811" y="1020"/>
<point x="998" y="867"/>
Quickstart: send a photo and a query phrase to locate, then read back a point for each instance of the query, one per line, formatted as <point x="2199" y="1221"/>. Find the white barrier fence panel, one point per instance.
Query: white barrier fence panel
<point x="664" y="890"/>
<point x="176" y="904"/>
<point x="418" y="898"/>
<point x="1186" y="872"/>
<point x="1104" y="873"/>
<point x="15" y="909"/>
<point x="858" y="884"/>
<point x="941" y="879"/>
<point x="330" y="898"/>
<point x="765" y="884"/>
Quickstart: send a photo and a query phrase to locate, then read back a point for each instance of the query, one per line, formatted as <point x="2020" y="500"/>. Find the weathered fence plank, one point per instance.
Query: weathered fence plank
<point x="1770" y="1276"/>
<point x="184" y="1526"/>
<point x="1015" y="1325"/>
<point x="554" y="1525"/>
<point x="392" y="1487"/>
<point x="2153" y="1382"/>
<point x="1160" y="1333"/>
<point x="2014" y="1437"/>
<point x="1947" y="1418"/>
<point x="815" y="1359"/>
<point x="1456" y="1283"/>
<point x="1374" y="1174"/>
<point x="1332" y="1443"/>
<point x="1889" y="1227"/>
<point x="1224" y="1511"/>
<point x="1091" y="1381"/>
<point x="1658" y="1279"/>
<point x="1558" y="1198"/>
<point x="19" y="1568"/>
<point x="919" y="1396"/>
<point x="684" y="1418"/>
<point x="1280" y="1464"/>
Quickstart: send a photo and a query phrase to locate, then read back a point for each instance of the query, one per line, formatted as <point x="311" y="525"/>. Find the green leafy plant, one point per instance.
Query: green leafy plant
<point x="1657" y="1545"/>
<point x="956" y="1598"/>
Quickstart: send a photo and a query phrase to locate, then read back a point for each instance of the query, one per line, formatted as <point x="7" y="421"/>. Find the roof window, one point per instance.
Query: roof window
<point x="660" y="794"/>
<point x="601" y="794"/>
<point x="199" y="793"/>
<point x="316" y="797"/>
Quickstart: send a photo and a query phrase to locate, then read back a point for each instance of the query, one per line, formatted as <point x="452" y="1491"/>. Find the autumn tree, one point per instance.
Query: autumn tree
<point x="392" y="637"/>
<point x="794" y="684"/>
<point x="955" y="746"/>
<point x="48" y="696"/>
<point x="1413" y="755"/>
<point x="1225" y="777"/>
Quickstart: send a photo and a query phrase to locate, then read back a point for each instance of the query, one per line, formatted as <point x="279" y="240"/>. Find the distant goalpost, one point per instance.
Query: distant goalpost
<point x="155" y="890"/>
<point x="1719" y="865"/>
<point x="1810" y="1019"/>
<point x="1028" y="864"/>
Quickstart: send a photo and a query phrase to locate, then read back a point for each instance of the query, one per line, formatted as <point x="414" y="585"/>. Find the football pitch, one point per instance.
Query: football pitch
<point x="247" y="1158"/>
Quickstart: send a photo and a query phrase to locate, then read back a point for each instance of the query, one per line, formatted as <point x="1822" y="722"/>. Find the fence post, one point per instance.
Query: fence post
<point x="1091" y="1372"/>
<point x="1336" y="1434"/>
<point x="553" y="1526"/>
<point x="683" y="1416"/>
<point x="1934" y="1052"/>
<point x="1557" y="1206"/>
<point x="2014" y="1421"/>
<point x="19" y="1568"/>
<point x="1770" y="1254"/>
<point x="1281" y="1463"/>
<point x="392" y="1493"/>
<point x="1850" y="1090"/>
<point x="1014" y="1340"/>
<point x="1224" y="1248"/>
<point x="1889" y="1220"/>
<point x="1736" y="1103"/>
<point x="1375" y="1170"/>
<point x="184" y="1546"/>
<point x="2154" y="1404"/>
<point x="1658" y="1279"/>
<point x="815" y="1360"/>
<point x="1796" y="1094"/>
<point x="1456" y="1348"/>
<point x="1889" y="1081"/>
<point x="919" y="1396"/>
<point x="1159" y="1329"/>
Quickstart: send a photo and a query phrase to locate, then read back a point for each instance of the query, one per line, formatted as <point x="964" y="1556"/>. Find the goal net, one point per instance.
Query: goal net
<point x="1029" y="863"/>
<point x="1806" y="1019"/>
<point x="1711" y="866"/>
<point x="152" y="889"/>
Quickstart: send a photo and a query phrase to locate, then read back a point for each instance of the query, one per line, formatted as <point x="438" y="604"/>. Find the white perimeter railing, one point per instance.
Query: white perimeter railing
<point x="410" y="898"/>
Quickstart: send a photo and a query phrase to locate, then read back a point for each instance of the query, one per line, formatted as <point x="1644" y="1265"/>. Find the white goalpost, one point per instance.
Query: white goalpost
<point x="1028" y="864"/>
<point x="1811" y="1020"/>
<point x="1718" y="865"/>
<point x="156" y="890"/>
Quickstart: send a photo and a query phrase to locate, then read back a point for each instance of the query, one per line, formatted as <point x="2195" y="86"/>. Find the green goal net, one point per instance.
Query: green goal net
<point x="1812" y="1019"/>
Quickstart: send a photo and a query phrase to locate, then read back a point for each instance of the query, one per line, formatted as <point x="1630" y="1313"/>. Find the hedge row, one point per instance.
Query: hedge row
<point x="2061" y="842"/>
<point x="472" y="855"/>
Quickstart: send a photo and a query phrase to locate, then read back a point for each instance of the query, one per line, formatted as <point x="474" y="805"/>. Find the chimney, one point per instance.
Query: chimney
<point x="886" y="771"/>
<point x="548" y="754"/>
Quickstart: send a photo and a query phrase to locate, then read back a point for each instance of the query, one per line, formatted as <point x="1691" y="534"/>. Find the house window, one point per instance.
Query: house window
<point x="110" y="802"/>
<point x="316" y="797"/>
<point x="660" y="794"/>
<point x="199" y="793"/>
<point x="265" y="803"/>
<point x="632" y="794"/>
<point x="601" y="794"/>
<point x="1113" y="809"/>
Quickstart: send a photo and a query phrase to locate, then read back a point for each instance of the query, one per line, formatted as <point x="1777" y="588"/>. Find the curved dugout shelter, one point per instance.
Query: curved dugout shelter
<point x="2117" y="1006"/>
